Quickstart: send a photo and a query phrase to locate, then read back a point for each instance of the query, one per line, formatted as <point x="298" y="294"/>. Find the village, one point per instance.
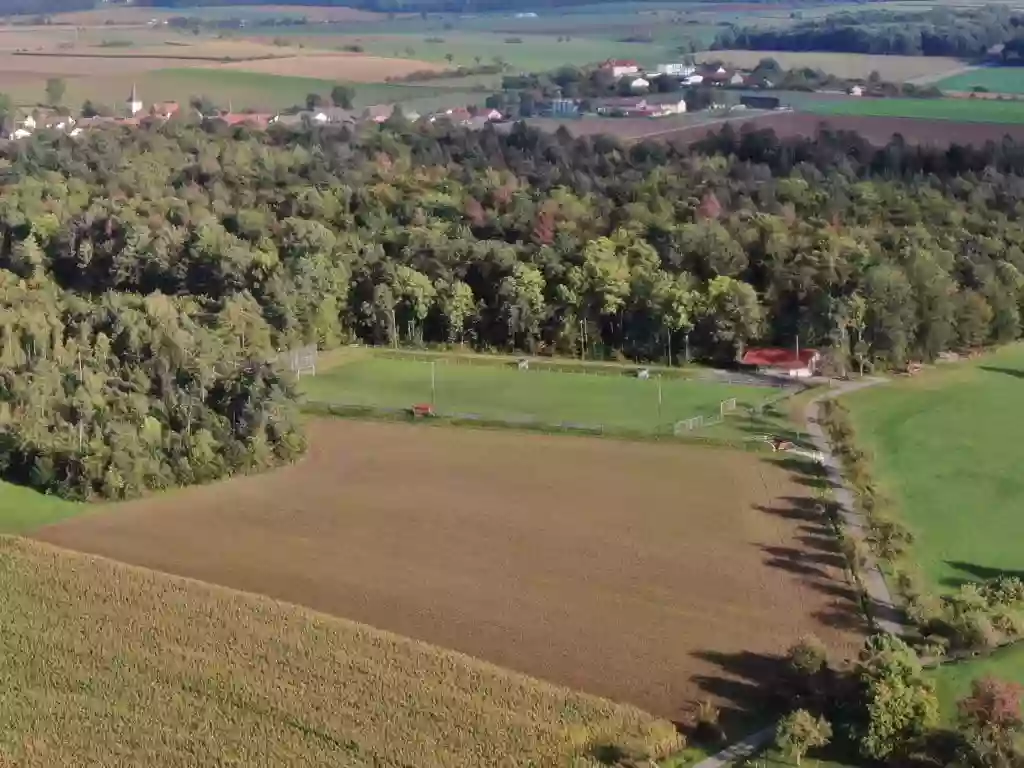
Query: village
<point x="135" y="113"/>
<point x="616" y="88"/>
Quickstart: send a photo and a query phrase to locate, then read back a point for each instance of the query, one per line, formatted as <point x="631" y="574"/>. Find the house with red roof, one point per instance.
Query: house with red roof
<point x="621" y="67"/>
<point x="780" y="361"/>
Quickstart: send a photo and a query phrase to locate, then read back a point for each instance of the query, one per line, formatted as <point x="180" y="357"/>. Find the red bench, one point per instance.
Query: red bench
<point x="422" y="409"/>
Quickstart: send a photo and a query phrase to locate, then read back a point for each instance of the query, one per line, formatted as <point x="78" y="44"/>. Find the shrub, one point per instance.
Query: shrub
<point x="799" y="732"/>
<point x="708" y="728"/>
<point x="808" y="657"/>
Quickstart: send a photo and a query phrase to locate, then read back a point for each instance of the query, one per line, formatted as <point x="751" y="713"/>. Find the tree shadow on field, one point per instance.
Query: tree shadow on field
<point x="975" y="572"/>
<point x="746" y="684"/>
<point x="816" y="562"/>
<point x="1006" y="371"/>
<point x="802" y="471"/>
<point x="794" y="508"/>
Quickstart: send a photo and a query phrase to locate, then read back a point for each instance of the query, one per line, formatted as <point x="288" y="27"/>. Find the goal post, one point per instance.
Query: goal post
<point x="688" y="425"/>
<point x="727" y="406"/>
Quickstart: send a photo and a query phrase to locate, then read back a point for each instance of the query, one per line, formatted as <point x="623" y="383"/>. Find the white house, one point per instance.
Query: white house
<point x="856" y="91"/>
<point x="21" y="133"/>
<point x="640" y="84"/>
<point x="694" y="79"/>
<point x="621" y="67"/>
<point x="676" y="69"/>
<point x="673" y="107"/>
<point x="737" y="79"/>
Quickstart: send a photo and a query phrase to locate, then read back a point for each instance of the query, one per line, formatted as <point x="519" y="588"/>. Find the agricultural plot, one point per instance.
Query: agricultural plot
<point x="532" y="53"/>
<point x="994" y="79"/>
<point x="619" y="401"/>
<point x="649" y="573"/>
<point x="947" y="448"/>
<point x="852" y="65"/>
<point x="260" y="91"/>
<point x="104" y="664"/>
<point x="352" y="67"/>
<point x="876" y="130"/>
<point x="958" y="110"/>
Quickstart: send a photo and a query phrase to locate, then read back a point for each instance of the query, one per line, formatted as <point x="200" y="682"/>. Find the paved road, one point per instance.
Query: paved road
<point x="741" y="749"/>
<point x="887" y="617"/>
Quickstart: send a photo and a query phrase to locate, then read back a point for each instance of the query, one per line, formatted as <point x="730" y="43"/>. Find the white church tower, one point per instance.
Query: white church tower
<point x="134" y="104"/>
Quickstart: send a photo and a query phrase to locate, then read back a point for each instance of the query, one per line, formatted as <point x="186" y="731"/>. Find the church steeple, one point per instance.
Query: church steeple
<point x="134" y="104"/>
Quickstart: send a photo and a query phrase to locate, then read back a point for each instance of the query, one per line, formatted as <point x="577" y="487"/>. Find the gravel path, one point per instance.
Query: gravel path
<point x="887" y="616"/>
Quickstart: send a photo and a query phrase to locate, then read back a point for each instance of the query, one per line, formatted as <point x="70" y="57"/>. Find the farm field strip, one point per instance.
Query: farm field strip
<point x="852" y="65"/>
<point x="956" y="110"/>
<point x="994" y="79"/>
<point x="147" y="669"/>
<point x="646" y="573"/>
<point x="506" y="393"/>
<point x="876" y="130"/>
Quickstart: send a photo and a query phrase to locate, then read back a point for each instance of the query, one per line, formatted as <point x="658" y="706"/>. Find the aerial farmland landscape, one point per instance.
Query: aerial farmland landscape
<point x="603" y="384"/>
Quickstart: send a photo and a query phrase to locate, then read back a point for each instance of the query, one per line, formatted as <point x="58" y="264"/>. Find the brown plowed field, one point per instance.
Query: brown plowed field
<point x="877" y="130"/>
<point x="649" y="573"/>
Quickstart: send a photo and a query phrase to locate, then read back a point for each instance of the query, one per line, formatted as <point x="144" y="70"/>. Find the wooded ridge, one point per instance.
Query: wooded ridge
<point x="150" y="276"/>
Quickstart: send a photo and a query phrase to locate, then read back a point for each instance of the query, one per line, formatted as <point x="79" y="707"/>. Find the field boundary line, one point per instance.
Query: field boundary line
<point x="884" y="613"/>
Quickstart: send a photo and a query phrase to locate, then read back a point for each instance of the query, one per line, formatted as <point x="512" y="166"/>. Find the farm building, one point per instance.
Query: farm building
<point x="777" y="361"/>
<point x="559" y="108"/>
<point x="165" y="109"/>
<point x="621" y="67"/>
<point x="333" y="115"/>
<point x="760" y="102"/>
<point x="676" y="69"/>
<point x="638" y="107"/>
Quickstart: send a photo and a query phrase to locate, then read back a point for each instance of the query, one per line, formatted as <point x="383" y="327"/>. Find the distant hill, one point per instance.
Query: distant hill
<point x="16" y="7"/>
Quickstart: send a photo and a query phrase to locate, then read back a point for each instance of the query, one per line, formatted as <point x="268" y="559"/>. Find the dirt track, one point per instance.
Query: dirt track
<point x="654" y="574"/>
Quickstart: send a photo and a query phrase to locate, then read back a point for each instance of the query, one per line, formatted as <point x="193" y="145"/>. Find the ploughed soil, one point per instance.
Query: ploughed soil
<point x="876" y="130"/>
<point x="656" y="574"/>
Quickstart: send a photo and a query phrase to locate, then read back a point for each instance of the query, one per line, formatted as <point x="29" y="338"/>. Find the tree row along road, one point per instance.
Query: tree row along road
<point x="885" y="613"/>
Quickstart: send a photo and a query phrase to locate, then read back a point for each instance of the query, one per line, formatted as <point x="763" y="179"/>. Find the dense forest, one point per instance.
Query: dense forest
<point x="150" y="276"/>
<point x="938" y="32"/>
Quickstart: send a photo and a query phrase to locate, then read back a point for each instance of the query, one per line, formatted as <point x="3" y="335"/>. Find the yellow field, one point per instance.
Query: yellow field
<point x="853" y="65"/>
<point x="104" y="664"/>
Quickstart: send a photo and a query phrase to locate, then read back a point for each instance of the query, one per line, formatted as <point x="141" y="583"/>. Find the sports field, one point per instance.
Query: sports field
<point x="502" y="392"/>
<point x="994" y="79"/>
<point x="105" y="664"/>
<point x="651" y="573"/>
<point x="960" y="110"/>
<point x="947" y="447"/>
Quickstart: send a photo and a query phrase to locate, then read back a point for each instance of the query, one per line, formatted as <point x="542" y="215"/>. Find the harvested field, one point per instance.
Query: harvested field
<point x="852" y="65"/>
<point x="634" y="128"/>
<point x="877" y="130"/>
<point x="350" y="67"/>
<point x="142" y="15"/>
<point x="654" y="574"/>
<point x="105" y="664"/>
